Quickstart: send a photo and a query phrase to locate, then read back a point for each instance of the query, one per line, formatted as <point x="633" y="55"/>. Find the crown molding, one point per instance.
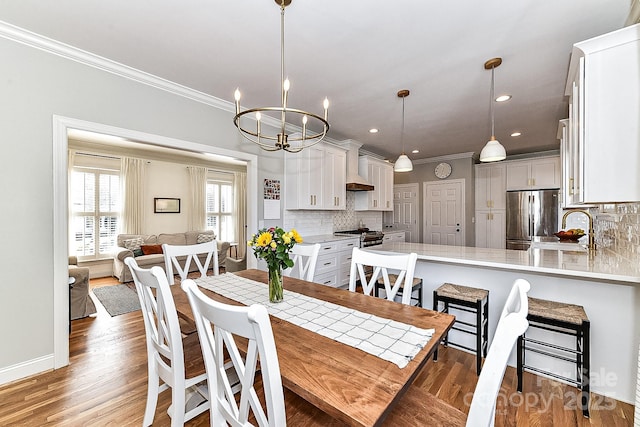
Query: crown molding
<point x="46" y="44"/>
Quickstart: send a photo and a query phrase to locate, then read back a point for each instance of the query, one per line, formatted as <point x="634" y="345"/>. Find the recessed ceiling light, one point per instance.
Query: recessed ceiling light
<point x="373" y="130"/>
<point x="503" y="98"/>
<point x="415" y="151"/>
<point x="516" y="134"/>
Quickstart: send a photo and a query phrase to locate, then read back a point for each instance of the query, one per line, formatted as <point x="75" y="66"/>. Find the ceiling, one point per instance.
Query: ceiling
<point x="358" y="53"/>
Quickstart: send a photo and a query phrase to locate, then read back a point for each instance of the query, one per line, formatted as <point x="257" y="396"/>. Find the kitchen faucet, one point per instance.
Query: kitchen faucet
<point x="592" y="239"/>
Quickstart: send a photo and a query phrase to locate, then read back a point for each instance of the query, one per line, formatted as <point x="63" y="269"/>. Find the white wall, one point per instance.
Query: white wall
<point x="36" y="85"/>
<point x="166" y="180"/>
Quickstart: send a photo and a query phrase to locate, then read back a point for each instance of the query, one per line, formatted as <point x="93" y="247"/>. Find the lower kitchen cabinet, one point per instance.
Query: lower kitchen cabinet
<point x="491" y="229"/>
<point x="334" y="262"/>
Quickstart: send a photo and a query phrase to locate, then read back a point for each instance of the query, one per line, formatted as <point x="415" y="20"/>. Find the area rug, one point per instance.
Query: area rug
<point x="117" y="299"/>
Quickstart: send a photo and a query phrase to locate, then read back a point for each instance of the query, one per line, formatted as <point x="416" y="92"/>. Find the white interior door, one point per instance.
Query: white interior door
<point x="405" y="210"/>
<point x="444" y="212"/>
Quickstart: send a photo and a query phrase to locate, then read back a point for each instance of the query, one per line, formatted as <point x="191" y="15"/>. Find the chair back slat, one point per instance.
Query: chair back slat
<point x="304" y="259"/>
<point x="180" y="257"/>
<point x="381" y="265"/>
<point x="219" y="325"/>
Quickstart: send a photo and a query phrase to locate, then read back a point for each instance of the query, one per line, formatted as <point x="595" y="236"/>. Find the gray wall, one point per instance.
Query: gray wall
<point x="460" y="169"/>
<point x="35" y="85"/>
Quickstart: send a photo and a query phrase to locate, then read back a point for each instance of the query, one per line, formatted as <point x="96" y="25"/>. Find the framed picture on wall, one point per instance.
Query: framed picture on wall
<point x="164" y="205"/>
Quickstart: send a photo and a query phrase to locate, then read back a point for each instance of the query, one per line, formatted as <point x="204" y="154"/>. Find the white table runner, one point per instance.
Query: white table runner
<point x="393" y="341"/>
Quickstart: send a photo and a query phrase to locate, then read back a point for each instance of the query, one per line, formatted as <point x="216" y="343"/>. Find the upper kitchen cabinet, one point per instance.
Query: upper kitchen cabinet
<point x="379" y="174"/>
<point x="533" y="174"/>
<point x="490" y="186"/>
<point x="315" y="178"/>
<point x="603" y="131"/>
<point x="334" y="179"/>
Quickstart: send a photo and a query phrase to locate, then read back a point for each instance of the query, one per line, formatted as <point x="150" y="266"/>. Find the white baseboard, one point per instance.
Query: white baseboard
<point x="26" y="369"/>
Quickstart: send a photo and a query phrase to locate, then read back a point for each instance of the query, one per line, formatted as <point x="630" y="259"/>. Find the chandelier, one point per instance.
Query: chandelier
<point x="493" y="151"/>
<point x="282" y="140"/>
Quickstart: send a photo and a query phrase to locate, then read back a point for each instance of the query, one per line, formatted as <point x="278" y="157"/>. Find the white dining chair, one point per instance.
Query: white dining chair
<point x="181" y="256"/>
<point x="304" y="259"/>
<point x="513" y="323"/>
<point x="388" y="267"/>
<point x="167" y="351"/>
<point x="218" y="324"/>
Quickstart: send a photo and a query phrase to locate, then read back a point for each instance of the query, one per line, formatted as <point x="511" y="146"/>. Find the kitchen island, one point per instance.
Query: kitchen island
<point x="605" y="284"/>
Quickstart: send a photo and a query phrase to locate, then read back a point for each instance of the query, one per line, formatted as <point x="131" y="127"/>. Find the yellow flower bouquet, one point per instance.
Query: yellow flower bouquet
<point x="273" y="246"/>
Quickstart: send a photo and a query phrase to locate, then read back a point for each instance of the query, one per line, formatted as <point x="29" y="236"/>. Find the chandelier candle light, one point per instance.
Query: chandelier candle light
<point x="282" y="140"/>
<point x="273" y="245"/>
<point x="403" y="164"/>
<point x="493" y="150"/>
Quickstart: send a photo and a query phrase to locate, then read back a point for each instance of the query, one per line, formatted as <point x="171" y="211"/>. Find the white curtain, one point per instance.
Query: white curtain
<point x="240" y="210"/>
<point x="70" y="241"/>
<point x="132" y="173"/>
<point x="198" y="189"/>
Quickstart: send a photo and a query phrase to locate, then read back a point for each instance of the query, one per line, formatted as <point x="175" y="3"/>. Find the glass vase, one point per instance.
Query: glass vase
<point x="276" y="294"/>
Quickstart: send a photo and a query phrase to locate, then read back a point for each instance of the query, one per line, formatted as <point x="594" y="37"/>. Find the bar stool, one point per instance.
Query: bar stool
<point x="416" y="286"/>
<point x="562" y="318"/>
<point x="471" y="300"/>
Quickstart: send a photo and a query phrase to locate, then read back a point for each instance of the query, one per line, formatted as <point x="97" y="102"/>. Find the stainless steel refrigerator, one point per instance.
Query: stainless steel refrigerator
<point x="529" y="214"/>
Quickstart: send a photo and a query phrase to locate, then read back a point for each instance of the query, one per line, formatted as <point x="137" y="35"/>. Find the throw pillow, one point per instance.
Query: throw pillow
<point x="205" y="238"/>
<point x="151" y="249"/>
<point x="137" y="252"/>
<point x="133" y="244"/>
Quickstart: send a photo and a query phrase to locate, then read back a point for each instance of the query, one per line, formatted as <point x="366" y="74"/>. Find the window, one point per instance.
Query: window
<point x="95" y="212"/>
<point x="220" y="209"/>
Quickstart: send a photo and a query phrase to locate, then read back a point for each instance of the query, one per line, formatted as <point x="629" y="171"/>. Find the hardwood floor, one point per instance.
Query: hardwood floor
<point x="105" y="385"/>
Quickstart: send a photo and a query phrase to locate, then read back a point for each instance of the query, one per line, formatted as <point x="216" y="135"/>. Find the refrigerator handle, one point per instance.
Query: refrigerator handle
<point x="532" y="218"/>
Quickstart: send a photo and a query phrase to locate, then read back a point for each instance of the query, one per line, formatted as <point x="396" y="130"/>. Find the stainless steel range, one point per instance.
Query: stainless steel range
<point x="367" y="237"/>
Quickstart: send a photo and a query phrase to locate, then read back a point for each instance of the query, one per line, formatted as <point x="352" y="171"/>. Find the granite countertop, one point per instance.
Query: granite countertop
<point x="603" y="265"/>
<point x="324" y="238"/>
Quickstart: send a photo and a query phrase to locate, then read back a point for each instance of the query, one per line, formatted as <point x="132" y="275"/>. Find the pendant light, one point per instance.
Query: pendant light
<point x="493" y="150"/>
<point x="403" y="164"/>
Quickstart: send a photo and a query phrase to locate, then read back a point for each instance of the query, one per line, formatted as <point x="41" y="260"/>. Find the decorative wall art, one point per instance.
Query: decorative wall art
<point x="164" y="205"/>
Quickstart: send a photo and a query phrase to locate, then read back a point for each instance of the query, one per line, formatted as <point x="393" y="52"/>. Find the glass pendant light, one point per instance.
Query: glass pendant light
<point x="403" y="164"/>
<point x="493" y="151"/>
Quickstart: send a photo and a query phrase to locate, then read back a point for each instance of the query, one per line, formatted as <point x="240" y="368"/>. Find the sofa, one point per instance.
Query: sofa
<point x="146" y="250"/>
<point x="80" y="303"/>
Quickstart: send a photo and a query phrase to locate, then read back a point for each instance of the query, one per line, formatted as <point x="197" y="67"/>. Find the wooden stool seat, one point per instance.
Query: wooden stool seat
<point x="463" y="293"/>
<point x="561" y="318"/>
<point x="472" y="300"/>
<point x="563" y="312"/>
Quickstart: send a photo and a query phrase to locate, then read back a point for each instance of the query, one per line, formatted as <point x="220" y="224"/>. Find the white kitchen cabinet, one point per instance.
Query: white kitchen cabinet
<point x="490" y="186"/>
<point x="491" y="229"/>
<point x="533" y="174"/>
<point x="379" y="174"/>
<point x="334" y="178"/>
<point x="394" y="236"/>
<point x="334" y="262"/>
<point x="604" y="130"/>
<point x="315" y="179"/>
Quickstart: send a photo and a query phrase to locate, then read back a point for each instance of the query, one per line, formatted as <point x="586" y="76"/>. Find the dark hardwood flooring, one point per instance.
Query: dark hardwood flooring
<point x="105" y="385"/>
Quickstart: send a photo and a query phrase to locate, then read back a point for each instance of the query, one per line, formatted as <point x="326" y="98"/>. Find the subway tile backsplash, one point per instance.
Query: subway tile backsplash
<point x="314" y="223"/>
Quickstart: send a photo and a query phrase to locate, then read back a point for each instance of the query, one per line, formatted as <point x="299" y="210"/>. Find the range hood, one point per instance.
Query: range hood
<point x="354" y="181"/>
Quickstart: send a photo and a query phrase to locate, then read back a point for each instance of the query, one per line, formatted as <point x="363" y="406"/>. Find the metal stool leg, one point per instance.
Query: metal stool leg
<point x="479" y="328"/>
<point x="586" y="365"/>
<point x="520" y="363"/>
<point x="435" y="308"/>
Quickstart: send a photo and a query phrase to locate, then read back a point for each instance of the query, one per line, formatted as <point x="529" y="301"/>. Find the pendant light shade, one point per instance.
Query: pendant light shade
<point x="403" y="164"/>
<point x="493" y="151"/>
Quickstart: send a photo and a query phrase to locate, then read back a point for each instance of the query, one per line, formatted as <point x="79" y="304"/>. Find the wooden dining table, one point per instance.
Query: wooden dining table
<point x="349" y="384"/>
